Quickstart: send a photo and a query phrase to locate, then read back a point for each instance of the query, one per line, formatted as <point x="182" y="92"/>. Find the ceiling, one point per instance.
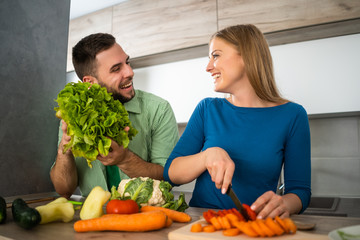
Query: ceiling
<point x="82" y="7"/>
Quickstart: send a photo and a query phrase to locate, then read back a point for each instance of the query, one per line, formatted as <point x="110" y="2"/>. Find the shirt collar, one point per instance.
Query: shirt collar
<point x="133" y="105"/>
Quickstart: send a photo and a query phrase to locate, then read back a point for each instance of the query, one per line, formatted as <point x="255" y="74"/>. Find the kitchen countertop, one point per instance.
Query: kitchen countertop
<point x="59" y="230"/>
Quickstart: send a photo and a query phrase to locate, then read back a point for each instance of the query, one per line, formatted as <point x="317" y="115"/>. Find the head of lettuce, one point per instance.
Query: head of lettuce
<point x="93" y="118"/>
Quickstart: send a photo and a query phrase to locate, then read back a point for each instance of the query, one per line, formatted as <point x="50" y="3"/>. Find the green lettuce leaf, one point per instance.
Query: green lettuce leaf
<point x="93" y="118"/>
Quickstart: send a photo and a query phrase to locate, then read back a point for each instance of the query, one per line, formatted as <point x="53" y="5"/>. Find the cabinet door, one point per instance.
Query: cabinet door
<point x="276" y="15"/>
<point x="145" y="27"/>
<point x="80" y="27"/>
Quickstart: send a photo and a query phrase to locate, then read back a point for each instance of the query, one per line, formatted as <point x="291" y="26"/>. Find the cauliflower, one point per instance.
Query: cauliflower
<point x="156" y="198"/>
<point x="148" y="191"/>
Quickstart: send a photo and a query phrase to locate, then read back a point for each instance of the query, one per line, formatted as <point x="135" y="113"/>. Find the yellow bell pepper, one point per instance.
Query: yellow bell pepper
<point x="59" y="209"/>
<point x="93" y="205"/>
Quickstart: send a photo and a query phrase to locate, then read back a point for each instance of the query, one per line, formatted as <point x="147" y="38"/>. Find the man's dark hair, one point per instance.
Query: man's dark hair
<point x="85" y="51"/>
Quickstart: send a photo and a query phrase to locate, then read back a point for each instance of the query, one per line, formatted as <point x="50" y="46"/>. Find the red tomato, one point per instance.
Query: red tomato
<point x="122" y="206"/>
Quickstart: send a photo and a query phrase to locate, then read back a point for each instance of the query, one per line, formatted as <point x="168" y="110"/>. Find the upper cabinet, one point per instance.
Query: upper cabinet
<point x="146" y="27"/>
<point x="278" y="15"/>
<point x="160" y="31"/>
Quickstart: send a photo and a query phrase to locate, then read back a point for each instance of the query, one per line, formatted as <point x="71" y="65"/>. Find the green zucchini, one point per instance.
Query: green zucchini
<point x="2" y="210"/>
<point x="25" y="216"/>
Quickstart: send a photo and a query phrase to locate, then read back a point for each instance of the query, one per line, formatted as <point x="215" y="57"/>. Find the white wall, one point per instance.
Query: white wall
<point x="182" y="83"/>
<point x="322" y="75"/>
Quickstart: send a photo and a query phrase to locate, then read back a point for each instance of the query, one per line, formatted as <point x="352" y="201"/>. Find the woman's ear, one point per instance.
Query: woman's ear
<point x="89" y="79"/>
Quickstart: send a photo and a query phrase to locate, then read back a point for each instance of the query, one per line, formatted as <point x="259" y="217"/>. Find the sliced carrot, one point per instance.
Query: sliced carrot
<point x="238" y="214"/>
<point x="209" y="228"/>
<point x="265" y="228"/>
<point x="196" y="227"/>
<point x="231" y="232"/>
<point x="232" y="218"/>
<point x="282" y="224"/>
<point x="224" y="222"/>
<point x="246" y="228"/>
<point x="290" y="225"/>
<point x="257" y="228"/>
<point x="274" y="226"/>
<point x="137" y="222"/>
<point x="215" y="222"/>
<point x="176" y="216"/>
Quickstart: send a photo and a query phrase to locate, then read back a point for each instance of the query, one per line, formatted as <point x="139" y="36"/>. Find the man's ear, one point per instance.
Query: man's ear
<point x="90" y="79"/>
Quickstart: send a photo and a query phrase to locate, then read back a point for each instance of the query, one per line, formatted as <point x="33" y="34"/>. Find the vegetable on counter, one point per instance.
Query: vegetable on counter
<point x="231" y="223"/>
<point x="146" y="191"/>
<point x="172" y="214"/>
<point x="93" y="118"/>
<point x="93" y="205"/>
<point x="2" y="210"/>
<point x="59" y="209"/>
<point x="23" y="215"/>
<point x="137" y="222"/>
<point x="122" y="206"/>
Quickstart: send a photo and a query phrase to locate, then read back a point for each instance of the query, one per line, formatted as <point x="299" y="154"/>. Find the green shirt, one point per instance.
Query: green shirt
<point x="157" y="135"/>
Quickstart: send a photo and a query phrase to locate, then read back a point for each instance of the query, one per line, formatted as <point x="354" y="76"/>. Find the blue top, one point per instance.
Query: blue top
<point x="258" y="140"/>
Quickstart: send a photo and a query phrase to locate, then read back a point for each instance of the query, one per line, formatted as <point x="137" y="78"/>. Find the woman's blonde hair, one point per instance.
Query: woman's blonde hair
<point x="254" y="49"/>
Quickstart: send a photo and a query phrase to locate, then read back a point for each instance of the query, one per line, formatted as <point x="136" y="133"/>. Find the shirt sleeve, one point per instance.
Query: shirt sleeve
<point x="165" y="134"/>
<point x="297" y="164"/>
<point x="191" y="141"/>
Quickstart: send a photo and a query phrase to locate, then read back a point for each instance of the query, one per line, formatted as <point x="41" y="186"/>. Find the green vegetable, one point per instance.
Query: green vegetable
<point x="59" y="209"/>
<point x="93" y="118"/>
<point x="23" y="215"/>
<point x="2" y="210"/>
<point x="147" y="191"/>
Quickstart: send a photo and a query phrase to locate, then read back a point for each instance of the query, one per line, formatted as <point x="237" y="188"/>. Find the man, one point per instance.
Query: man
<point x="97" y="58"/>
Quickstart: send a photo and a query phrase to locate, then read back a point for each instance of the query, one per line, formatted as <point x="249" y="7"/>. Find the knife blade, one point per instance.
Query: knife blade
<point x="237" y="202"/>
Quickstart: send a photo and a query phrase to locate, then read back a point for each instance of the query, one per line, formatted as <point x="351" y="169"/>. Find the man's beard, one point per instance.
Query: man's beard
<point x="122" y="98"/>
<point x="115" y="94"/>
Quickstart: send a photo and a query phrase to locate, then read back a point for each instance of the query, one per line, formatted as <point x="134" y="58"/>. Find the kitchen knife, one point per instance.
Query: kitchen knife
<point x="237" y="202"/>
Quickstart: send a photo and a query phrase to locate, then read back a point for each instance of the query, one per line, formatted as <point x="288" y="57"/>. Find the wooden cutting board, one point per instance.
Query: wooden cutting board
<point x="184" y="233"/>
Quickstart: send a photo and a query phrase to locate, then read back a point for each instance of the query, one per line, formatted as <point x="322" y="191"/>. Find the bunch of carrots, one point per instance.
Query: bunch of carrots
<point x="149" y="218"/>
<point x="232" y="223"/>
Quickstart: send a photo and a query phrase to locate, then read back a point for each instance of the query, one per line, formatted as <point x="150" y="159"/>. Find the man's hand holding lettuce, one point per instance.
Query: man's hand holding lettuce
<point x="147" y="191"/>
<point x="93" y="118"/>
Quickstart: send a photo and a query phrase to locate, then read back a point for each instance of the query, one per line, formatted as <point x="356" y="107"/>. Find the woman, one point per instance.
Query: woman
<point x="245" y="139"/>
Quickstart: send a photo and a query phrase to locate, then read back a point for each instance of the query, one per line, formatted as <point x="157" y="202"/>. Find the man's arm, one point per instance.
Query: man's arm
<point x="64" y="174"/>
<point x="131" y="164"/>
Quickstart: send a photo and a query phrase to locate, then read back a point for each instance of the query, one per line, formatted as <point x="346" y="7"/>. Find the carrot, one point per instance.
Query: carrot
<point x="290" y="225"/>
<point x="209" y="228"/>
<point x="176" y="216"/>
<point x="274" y="226"/>
<point x="231" y="232"/>
<point x="232" y="218"/>
<point x="265" y="228"/>
<point x="137" y="222"/>
<point x="215" y="222"/>
<point x="246" y="228"/>
<point x="196" y="227"/>
<point x="169" y="222"/>
<point x="282" y="224"/>
<point x="225" y="222"/>
<point x="257" y="228"/>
